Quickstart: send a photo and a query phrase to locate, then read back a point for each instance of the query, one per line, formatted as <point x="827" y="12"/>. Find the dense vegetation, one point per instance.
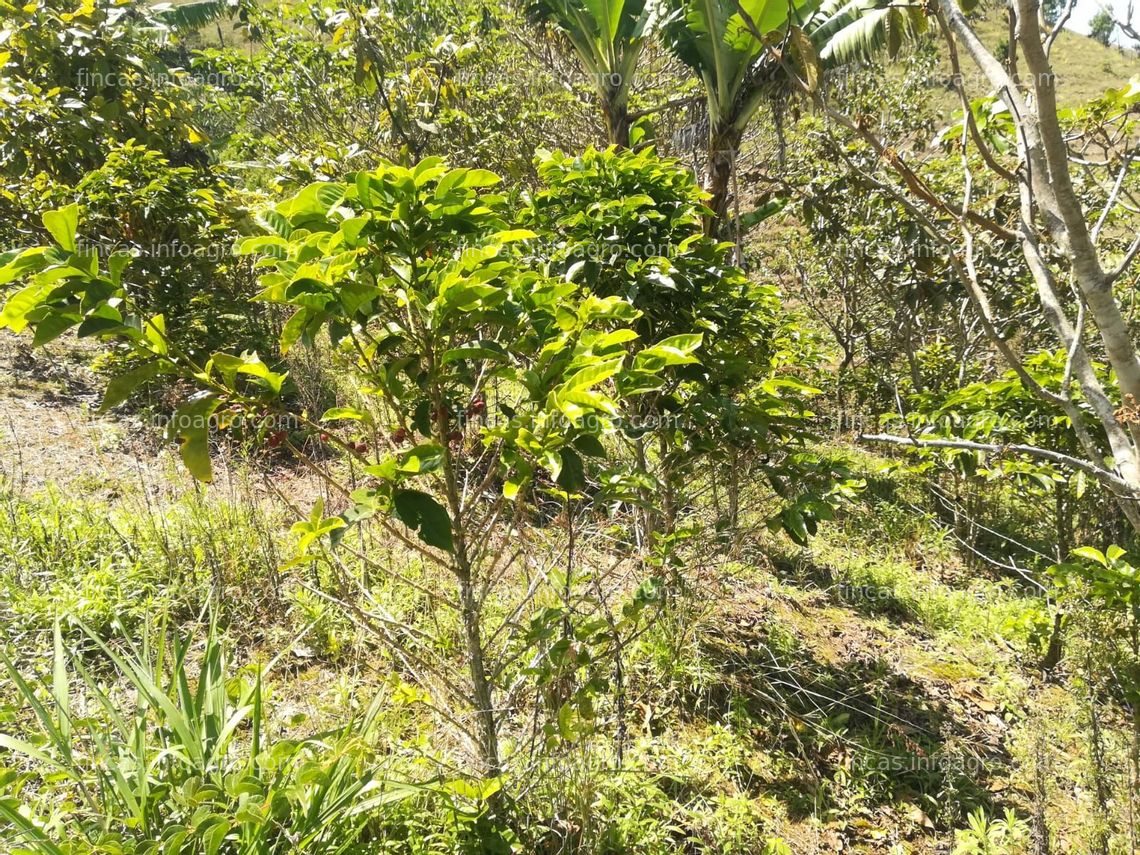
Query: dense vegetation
<point x="576" y="426"/>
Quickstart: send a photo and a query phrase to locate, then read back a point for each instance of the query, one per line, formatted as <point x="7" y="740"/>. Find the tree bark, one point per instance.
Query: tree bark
<point x="1108" y="479"/>
<point x="616" y="114"/>
<point x="1048" y="198"/>
<point x="481" y="687"/>
<point x="469" y="607"/>
<point x="723" y="144"/>
<point x="1099" y="772"/>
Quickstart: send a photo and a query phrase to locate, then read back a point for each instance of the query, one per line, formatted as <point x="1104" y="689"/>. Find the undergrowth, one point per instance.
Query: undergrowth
<point x="91" y="562"/>
<point x="742" y="734"/>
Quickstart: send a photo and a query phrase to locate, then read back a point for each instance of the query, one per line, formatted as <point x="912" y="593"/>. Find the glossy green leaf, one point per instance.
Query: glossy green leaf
<point x="190" y="426"/>
<point x="62" y="224"/>
<point x="427" y="517"/>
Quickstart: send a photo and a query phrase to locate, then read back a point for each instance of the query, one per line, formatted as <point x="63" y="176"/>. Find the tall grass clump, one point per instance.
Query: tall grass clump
<point x="102" y="563"/>
<point x="164" y="747"/>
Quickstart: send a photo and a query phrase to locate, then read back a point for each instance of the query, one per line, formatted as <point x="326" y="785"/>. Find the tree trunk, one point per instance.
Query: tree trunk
<point x="1134" y="771"/>
<point x="481" y="687"/>
<point x="723" y="143"/>
<point x="469" y="607"/>
<point x="1051" y="208"/>
<point x="1011" y="58"/>
<point x="733" y="489"/>
<point x="616" y="114"/>
<point x="1056" y="650"/>
<point x="1099" y="772"/>
<point x="1064" y="528"/>
<point x="619" y="697"/>
<point x="668" y="493"/>
<point x="1040" y="798"/>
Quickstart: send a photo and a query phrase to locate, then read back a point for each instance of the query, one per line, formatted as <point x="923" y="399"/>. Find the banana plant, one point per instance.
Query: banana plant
<point x="194" y="15"/>
<point x="850" y="31"/>
<point x="608" y="37"/>
<point x="719" y="40"/>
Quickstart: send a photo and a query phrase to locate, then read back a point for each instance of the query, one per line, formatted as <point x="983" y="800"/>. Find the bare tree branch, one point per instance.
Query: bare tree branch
<point x="1110" y="479"/>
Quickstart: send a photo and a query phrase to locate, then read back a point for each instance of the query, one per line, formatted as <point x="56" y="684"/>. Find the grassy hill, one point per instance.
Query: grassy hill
<point x="1084" y="67"/>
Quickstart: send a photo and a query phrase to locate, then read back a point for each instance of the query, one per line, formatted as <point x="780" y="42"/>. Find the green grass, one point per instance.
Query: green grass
<point x="183" y="760"/>
<point x="104" y="564"/>
<point x="745" y="724"/>
<point x="888" y="554"/>
<point x="873" y="572"/>
<point x="1084" y="67"/>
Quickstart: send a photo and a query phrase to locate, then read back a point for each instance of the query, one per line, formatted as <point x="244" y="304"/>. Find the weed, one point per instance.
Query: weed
<point x="1007" y="835"/>
<point x="99" y="564"/>
<point x="166" y="759"/>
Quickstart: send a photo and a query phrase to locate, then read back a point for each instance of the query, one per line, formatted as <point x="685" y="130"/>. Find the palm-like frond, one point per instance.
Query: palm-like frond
<point x="859" y="29"/>
<point x="607" y="35"/>
<point x="706" y="35"/>
<point x="719" y="45"/>
<point x="190" y="16"/>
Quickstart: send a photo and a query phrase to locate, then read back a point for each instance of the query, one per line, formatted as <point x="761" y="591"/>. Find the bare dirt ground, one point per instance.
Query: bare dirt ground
<point x="52" y="435"/>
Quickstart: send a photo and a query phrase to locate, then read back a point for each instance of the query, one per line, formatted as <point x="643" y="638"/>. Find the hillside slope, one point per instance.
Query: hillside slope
<point x="1084" y="67"/>
<point x="867" y="693"/>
